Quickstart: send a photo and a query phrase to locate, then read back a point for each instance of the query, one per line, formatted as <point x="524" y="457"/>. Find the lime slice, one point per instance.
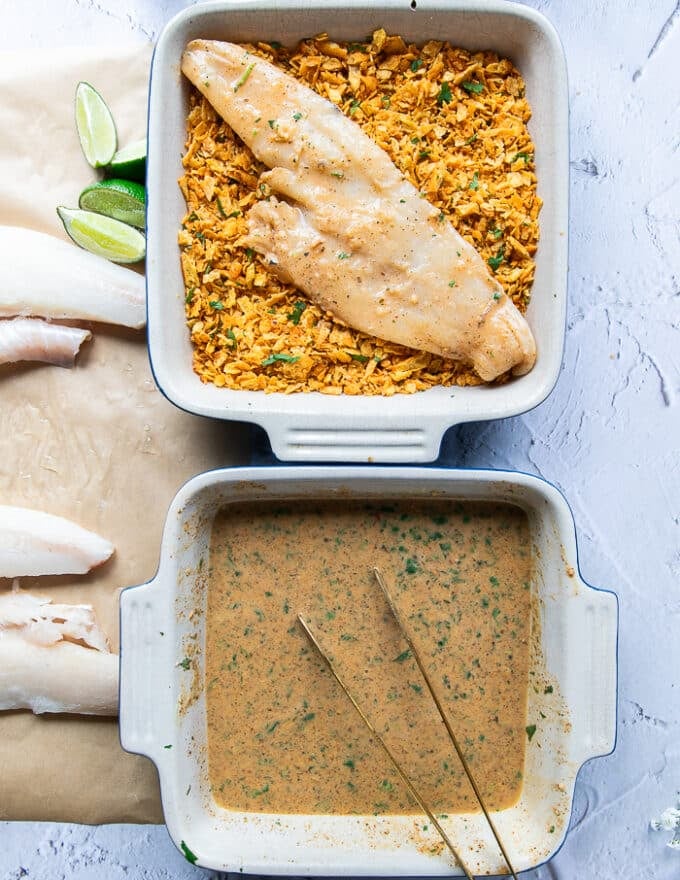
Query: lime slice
<point x="103" y="236"/>
<point x="95" y="125"/>
<point x="130" y="161"/>
<point x="121" y="199"/>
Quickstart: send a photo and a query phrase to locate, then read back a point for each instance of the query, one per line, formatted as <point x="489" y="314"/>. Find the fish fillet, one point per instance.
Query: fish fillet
<point x="349" y="230"/>
<point x="42" y="275"/>
<point x="32" y="339"/>
<point x="54" y="658"/>
<point x="35" y="543"/>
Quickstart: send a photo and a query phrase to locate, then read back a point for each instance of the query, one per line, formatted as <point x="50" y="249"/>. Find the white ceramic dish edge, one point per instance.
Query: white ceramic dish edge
<point x="161" y="623"/>
<point x="317" y="427"/>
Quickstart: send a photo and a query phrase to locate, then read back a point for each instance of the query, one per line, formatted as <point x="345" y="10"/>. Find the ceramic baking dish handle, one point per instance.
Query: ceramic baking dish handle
<point x="363" y="438"/>
<point x="146" y="655"/>
<point x="594" y="721"/>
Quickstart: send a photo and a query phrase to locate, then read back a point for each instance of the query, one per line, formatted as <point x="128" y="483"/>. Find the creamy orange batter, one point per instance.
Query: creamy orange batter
<point x="283" y="737"/>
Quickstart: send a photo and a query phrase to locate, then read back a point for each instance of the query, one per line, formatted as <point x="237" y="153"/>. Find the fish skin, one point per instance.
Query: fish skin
<point x="35" y="543"/>
<point x="45" y="276"/>
<point x="349" y="230"/>
<point x="32" y="339"/>
<point x="54" y="658"/>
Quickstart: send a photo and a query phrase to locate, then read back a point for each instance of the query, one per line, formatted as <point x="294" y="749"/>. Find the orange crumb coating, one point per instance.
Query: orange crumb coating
<point x="453" y="122"/>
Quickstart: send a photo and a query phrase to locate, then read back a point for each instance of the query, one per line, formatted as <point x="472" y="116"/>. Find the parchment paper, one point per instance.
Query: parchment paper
<point x="98" y="444"/>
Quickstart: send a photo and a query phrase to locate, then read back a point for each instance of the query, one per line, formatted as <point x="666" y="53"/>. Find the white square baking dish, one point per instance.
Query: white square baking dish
<point x="314" y="426"/>
<point x="162" y="702"/>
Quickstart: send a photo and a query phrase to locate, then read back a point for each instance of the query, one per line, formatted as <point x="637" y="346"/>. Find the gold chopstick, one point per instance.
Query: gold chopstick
<point x="421" y="803"/>
<point x="416" y="655"/>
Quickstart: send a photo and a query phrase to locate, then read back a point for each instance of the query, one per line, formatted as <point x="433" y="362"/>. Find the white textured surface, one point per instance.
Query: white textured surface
<point x="607" y="436"/>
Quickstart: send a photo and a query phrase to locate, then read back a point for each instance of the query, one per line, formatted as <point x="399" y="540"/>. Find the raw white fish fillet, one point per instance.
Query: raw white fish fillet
<point x="35" y="543"/>
<point x="352" y="233"/>
<point x="32" y="339"/>
<point x="42" y="275"/>
<point x="54" y="658"/>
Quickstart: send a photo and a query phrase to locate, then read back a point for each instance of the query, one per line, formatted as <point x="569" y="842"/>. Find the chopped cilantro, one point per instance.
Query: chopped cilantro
<point x="496" y="296"/>
<point x="348" y="763"/>
<point x="250" y="253"/>
<point x="275" y="44"/>
<point x="219" y="207"/>
<point x="344" y="256"/>
<point x="190" y="295"/>
<point x="234" y="214"/>
<point x="354" y="105"/>
<point x="405" y="655"/>
<point x="423" y="154"/>
<point x="231" y="335"/>
<point x="496" y="232"/>
<point x="453" y="282"/>
<point x="531" y="730"/>
<point x="474" y="183"/>
<point x="473" y="87"/>
<point x="444" y="96"/>
<point x="362" y="358"/>
<point x="297" y="116"/>
<point x="243" y="79"/>
<point x="416" y="64"/>
<point x="296" y="314"/>
<point x="286" y="358"/>
<point x="526" y="156"/>
<point x="185" y="664"/>
<point x="272" y="123"/>
<point x="548" y="690"/>
<point x="357" y="47"/>
<point x="188" y="855"/>
<point x="338" y="174"/>
<point x="167" y="747"/>
<point x="309" y="716"/>
<point x="216" y="304"/>
<point x="495" y="262"/>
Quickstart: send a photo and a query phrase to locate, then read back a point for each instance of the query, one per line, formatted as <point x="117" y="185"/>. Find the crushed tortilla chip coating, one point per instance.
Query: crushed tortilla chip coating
<point x="453" y="122"/>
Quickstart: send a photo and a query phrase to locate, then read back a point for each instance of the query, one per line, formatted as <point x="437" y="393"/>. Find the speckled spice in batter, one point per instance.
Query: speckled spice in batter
<point x="282" y="737"/>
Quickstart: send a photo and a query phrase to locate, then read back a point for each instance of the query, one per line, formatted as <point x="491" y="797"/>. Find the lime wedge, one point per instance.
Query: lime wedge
<point x="130" y="161"/>
<point x="95" y="125"/>
<point x="121" y="199"/>
<point x="103" y="236"/>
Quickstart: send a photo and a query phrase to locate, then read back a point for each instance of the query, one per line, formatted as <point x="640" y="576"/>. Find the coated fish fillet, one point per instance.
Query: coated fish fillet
<point x="32" y="339"/>
<point x="42" y="275"/>
<point x="54" y="658"/>
<point x="349" y="230"/>
<point x="36" y="543"/>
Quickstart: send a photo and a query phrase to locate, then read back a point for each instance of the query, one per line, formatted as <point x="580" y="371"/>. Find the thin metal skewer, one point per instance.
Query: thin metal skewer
<point x="421" y="803"/>
<point x="440" y="708"/>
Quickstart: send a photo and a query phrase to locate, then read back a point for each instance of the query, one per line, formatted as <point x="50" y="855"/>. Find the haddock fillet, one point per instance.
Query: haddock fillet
<point x="349" y="230"/>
